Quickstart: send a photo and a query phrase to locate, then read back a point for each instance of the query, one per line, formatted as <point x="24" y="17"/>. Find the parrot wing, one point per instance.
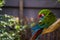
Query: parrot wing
<point x="36" y="34"/>
<point x="52" y="27"/>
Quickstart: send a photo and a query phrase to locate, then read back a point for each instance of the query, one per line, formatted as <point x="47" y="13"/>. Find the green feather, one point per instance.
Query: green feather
<point x="49" y="17"/>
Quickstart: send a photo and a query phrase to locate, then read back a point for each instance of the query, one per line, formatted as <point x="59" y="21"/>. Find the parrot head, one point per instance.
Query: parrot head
<point x="46" y="18"/>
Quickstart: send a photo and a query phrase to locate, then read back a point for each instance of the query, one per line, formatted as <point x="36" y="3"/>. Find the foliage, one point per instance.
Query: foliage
<point x="58" y="0"/>
<point x="9" y="28"/>
<point x="1" y="3"/>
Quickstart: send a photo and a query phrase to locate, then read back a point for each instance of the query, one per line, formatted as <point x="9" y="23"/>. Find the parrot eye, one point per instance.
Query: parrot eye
<point x="42" y="14"/>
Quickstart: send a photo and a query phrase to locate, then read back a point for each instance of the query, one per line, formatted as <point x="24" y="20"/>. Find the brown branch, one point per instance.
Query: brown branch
<point x="53" y="27"/>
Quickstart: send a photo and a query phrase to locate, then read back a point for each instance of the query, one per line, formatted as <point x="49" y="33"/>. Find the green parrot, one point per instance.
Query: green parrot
<point x="45" y="19"/>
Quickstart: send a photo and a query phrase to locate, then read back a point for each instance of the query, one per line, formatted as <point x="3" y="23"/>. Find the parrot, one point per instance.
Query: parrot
<point x="45" y="19"/>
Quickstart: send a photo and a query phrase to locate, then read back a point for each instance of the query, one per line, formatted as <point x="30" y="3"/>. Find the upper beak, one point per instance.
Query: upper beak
<point x="40" y="22"/>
